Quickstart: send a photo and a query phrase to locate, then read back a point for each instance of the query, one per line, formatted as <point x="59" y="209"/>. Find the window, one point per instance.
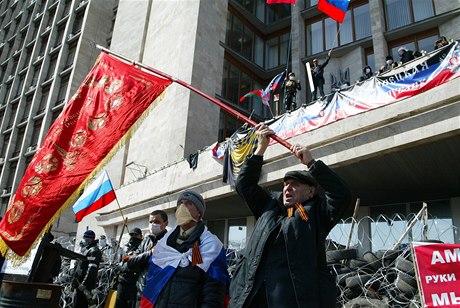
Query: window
<point x="35" y="75"/>
<point x="27" y="106"/>
<point x="78" y="23"/>
<point x="11" y="173"/>
<point x="71" y="55"/>
<point x="276" y="50"/>
<point x="36" y="132"/>
<point x="6" y="140"/>
<point x="267" y="14"/>
<point x="43" y="100"/>
<point x="14" y="109"/>
<point x="63" y="89"/>
<point x="323" y="33"/>
<point x="51" y="67"/>
<point x="390" y="222"/>
<point x="18" y="141"/>
<point x="22" y="79"/>
<point x="403" y="12"/>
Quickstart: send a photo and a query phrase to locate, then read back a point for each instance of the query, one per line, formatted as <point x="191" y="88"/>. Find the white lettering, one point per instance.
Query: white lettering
<point x="452" y="255"/>
<point x="440" y="278"/>
<point x="440" y="301"/>
<point x="445" y="299"/>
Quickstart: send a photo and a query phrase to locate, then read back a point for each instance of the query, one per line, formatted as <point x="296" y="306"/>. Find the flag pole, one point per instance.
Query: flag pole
<point x="226" y="108"/>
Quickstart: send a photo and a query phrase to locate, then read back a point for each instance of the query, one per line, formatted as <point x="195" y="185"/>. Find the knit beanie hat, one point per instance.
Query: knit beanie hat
<point x="89" y="234"/>
<point x="194" y="197"/>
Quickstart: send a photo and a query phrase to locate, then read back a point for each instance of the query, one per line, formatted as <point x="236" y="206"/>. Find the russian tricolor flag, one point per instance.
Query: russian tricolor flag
<point x="336" y="9"/>
<point x="97" y="195"/>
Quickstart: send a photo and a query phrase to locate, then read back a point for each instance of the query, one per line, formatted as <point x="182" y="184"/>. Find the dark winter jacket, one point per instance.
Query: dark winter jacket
<point x="190" y="286"/>
<point x="302" y="242"/>
<point x="86" y="271"/>
<point x="318" y="71"/>
<point x="409" y="55"/>
<point x="129" y="275"/>
<point x="140" y="262"/>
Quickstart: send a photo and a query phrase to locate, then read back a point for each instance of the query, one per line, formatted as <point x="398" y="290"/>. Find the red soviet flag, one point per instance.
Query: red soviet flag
<point x="94" y="123"/>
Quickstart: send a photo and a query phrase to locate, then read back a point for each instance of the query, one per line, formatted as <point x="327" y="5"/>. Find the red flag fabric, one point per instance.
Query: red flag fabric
<point x="96" y="121"/>
<point x="336" y="9"/>
<point x="280" y="1"/>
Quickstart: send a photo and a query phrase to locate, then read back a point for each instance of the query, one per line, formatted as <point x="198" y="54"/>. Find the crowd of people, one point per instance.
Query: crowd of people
<point x="283" y="264"/>
<point x="291" y="86"/>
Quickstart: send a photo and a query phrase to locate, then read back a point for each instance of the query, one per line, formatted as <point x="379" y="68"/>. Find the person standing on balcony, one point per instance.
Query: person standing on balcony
<point x="317" y="72"/>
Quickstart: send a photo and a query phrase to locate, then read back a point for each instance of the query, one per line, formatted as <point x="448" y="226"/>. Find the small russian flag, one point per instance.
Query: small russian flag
<point x="336" y="9"/>
<point x="97" y="195"/>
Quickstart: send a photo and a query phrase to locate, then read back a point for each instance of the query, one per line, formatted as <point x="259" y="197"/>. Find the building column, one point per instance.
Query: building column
<point x="376" y="9"/>
<point x="298" y="50"/>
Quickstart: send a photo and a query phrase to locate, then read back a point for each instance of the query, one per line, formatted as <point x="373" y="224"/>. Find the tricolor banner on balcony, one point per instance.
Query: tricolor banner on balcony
<point x="103" y="113"/>
<point x="417" y="76"/>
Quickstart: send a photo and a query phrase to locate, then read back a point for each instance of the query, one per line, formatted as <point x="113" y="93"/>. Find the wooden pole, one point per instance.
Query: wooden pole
<point x="353" y="221"/>
<point x="223" y="106"/>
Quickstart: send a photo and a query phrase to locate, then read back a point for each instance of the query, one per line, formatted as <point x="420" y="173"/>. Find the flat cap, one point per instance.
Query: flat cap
<point x="302" y="176"/>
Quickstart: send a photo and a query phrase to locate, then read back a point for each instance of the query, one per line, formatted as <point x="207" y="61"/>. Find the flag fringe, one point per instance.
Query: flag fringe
<point x="17" y="260"/>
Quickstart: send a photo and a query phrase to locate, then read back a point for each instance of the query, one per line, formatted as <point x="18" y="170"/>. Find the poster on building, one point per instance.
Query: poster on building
<point x="438" y="273"/>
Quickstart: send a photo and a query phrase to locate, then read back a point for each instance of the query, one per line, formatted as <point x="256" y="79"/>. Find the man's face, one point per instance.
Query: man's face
<point x="156" y="219"/>
<point x="192" y="209"/>
<point x="295" y="191"/>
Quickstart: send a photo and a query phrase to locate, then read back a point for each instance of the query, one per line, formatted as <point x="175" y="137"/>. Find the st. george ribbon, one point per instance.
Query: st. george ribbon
<point x="226" y="108"/>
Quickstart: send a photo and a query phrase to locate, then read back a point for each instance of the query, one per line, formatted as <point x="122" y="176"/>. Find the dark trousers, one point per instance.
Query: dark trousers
<point x="290" y="104"/>
<point x="79" y="300"/>
<point x="319" y="85"/>
<point x="126" y="295"/>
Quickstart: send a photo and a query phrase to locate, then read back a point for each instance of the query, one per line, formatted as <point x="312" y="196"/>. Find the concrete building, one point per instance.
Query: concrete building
<point x="46" y="49"/>
<point x="394" y="157"/>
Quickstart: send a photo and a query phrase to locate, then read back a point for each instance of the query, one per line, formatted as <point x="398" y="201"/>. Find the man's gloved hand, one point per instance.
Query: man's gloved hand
<point x="82" y="288"/>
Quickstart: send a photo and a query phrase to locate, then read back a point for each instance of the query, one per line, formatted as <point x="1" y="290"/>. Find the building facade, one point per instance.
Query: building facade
<point x="394" y="157"/>
<point x="46" y="49"/>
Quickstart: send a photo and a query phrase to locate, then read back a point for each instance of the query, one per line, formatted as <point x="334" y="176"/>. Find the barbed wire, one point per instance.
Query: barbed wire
<point x="369" y="272"/>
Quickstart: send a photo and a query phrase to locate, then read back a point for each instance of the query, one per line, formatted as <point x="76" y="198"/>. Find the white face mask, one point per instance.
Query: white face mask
<point x="291" y="77"/>
<point x="102" y="242"/>
<point x="155" y="228"/>
<point x="368" y="70"/>
<point x="389" y="62"/>
<point x="183" y="215"/>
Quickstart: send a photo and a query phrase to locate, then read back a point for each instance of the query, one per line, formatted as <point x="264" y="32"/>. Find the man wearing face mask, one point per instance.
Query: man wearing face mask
<point x="85" y="278"/>
<point x="158" y="220"/>
<point x="291" y="86"/>
<point x="367" y="73"/>
<point x="284" y="262"/>
<point x="389" y="65"/>
<point x="188" y="267"/>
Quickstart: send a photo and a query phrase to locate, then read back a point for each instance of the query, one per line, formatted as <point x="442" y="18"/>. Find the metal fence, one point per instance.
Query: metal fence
<point x="371" y="258"/>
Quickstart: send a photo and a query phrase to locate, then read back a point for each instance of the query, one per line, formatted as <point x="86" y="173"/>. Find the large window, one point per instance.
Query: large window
<point x="403" y="12"/>
<point x="266" y="52"/>
<point x="267" y="14"/>
<point x="237" y="83"/>
<point x="390" y="222"/>
<point x="277" y="51"/>
<point x="324" y="33"/>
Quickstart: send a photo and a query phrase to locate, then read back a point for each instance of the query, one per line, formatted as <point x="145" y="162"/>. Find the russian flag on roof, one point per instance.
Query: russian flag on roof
<point x="336" y="9"/>
<point x="97" y="195"/>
